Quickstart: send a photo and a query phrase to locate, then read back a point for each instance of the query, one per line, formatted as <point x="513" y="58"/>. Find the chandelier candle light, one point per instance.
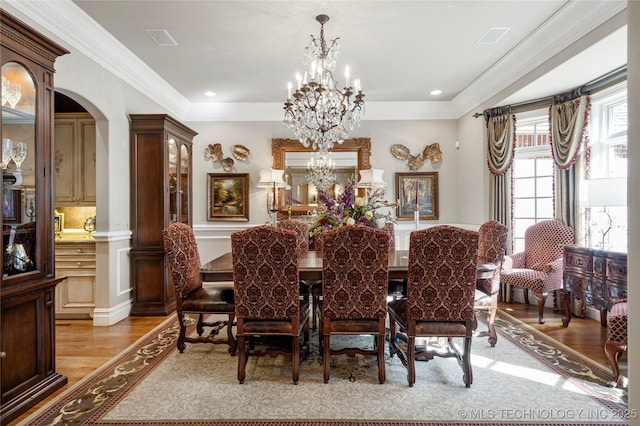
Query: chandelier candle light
<point x="322" y="112"/>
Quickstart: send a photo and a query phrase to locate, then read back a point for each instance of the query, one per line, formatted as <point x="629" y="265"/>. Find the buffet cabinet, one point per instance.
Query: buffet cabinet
<point x="27" y="290"/>
<point x="598" y="278"/>
<point x="161" y="160"/>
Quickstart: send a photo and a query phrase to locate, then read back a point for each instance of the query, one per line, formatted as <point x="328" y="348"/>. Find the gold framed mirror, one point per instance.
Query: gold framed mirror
<point x="349" y="157"/>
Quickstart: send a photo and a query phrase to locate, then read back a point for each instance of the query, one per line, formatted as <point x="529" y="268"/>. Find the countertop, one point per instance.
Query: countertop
<point x="75" y="237"/>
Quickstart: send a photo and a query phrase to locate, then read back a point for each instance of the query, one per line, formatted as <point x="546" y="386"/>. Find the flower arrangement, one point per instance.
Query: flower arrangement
<point x="348" y="209"/>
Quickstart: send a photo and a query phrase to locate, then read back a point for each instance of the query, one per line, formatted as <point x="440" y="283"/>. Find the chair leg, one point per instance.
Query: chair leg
<point x="242" y="358"/>
<point x="200" y="324"/>
<point x="183" y="332"/>
<point x="542" y="298"/>
<point x="466" y="361"/>
<point x="526" y="295"/>
<point x="326" y="357"/>
<point x="382" y="376"/>
<point x="392" y="337"/>
<point x="233" y="345"/>
<point x="613" y="350"/>
<point x="411" y="360"/>
<point x="295" y="346"/>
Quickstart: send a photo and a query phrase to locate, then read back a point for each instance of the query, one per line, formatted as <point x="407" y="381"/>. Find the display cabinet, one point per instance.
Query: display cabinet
<point x="161" y="194"/>
<point x="27" y="339"/>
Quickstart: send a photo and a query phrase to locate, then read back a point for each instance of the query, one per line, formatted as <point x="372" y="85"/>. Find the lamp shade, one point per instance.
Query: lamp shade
<point x="606" y="192"/>
<point x="371" y="178"/>
<point x="269" y="177"/>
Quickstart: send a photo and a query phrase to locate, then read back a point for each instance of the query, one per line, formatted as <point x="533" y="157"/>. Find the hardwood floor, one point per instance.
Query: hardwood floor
<point x="81" y="347"/>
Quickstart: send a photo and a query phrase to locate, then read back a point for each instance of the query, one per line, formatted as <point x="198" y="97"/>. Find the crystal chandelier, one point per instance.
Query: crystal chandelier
<point x="321" y="173"/>
<point x="322" y="111"/>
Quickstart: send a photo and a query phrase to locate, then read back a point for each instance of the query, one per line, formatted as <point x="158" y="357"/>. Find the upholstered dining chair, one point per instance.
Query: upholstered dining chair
<point x="191" y="296"/>
<point x="616" y="343"/>
<point x="354" y="291"/>
<point x="397" y="287"/>
<point x="267" y="295"/>
<point x="539" y="267"/>
<point x="301" y="229"/>
<point x="491" y="249"/>
<point x="440" y="292"/>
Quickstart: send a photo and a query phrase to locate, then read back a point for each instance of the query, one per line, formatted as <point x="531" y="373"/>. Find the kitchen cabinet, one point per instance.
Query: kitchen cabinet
<point x="76" y="296"/>
<point x="27" y="288"/>
<point x="161" y="160"/>
<point x="75" y="159"/>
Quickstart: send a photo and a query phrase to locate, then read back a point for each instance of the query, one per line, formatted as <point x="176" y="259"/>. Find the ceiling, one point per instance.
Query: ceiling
<point x="247" y="51"/>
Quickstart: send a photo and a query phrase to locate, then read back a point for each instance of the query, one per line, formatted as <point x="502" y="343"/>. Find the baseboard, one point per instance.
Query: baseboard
<point x="107" y="317"/>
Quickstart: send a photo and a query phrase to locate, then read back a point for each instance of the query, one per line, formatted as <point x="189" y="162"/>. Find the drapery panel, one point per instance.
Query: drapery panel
<point x="501" y="133"/>
<point x="568" y="124"/>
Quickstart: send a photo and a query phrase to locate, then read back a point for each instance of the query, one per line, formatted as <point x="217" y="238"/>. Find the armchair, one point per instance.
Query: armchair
<point x="539" y="267"/>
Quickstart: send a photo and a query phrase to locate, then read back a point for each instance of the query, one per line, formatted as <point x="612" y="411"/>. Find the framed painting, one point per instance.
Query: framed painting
<point x="417" y="189"/>
<point x="11" y="206"/>
<point x="228" y="196"/>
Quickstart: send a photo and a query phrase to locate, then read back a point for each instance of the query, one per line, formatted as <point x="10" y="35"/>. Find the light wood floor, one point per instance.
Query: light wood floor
<point x="81" y="348"/>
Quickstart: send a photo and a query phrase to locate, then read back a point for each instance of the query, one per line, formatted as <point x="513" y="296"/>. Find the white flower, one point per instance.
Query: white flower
<point x="369" y="215"/>
<point x="380" y="222"/>
<point x="351" y="221"/>
<point x="360" y="201"/>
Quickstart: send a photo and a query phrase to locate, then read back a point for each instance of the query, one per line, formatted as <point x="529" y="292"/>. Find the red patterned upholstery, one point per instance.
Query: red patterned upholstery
<point x="539" y="267"/>
<point x="191" y="297"/>
<point x="300" y="228"/>
<point x="440" y="293"/>
<point x="617" y="337"/>
<point x="354" y="290"/>
<point x="491" y="248"/>
<point x="268" y="302"/>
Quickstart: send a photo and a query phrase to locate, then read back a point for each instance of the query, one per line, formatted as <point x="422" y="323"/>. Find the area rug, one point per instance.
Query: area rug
<point x="526" y="378"/>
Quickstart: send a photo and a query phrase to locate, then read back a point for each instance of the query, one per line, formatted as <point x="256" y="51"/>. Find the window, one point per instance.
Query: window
<point x="606" y="225"/>
<point x="533" y="177"/>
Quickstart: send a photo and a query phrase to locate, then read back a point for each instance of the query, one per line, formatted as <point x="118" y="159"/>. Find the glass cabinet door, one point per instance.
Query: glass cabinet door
<point x="19" y="191"/>
<point x="173" y="179"/>
<point x="184" y="184"/>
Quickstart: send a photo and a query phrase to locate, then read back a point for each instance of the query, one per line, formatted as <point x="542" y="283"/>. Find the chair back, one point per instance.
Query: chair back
<point x="491" y="249"/>
<point x="391" y="228"/>
<point x="301" y="229"/>
<point x="543" y="242"/>
<point x="355" y="272"/>
<point x="183" y="259"/>
<point x="442" y="274"/>
<point x="265" y="273"/>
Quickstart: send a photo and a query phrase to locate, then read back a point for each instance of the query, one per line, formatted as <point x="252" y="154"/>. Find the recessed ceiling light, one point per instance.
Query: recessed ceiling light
<point x="436" y="92"/>
<point x="210" y="94"/>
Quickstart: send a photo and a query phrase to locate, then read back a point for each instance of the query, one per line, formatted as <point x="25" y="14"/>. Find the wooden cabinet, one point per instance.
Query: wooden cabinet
<point x="596" y="277"/>
<point x="27" y="289"/>
<point x="161" y="194"/>
<point x="76" y="296"/>
<point x="75" y="159"/>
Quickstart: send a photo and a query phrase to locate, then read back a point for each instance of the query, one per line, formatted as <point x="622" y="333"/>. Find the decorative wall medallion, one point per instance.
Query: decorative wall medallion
<point x="214" y="151"/>
<point x="415" y="162"/>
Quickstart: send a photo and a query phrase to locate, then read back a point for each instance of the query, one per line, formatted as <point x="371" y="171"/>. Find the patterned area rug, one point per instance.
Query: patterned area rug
<point x="526" y="379"/>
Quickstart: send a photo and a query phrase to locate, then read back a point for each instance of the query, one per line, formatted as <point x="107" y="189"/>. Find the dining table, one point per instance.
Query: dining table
<point x="220" y="269"/>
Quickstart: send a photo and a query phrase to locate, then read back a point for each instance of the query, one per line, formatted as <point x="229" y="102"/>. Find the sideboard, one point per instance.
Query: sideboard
<point x="596" y="277"/>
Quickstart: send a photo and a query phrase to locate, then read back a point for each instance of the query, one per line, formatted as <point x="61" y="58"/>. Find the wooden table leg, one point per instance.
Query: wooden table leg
<point x="566" y="299"/>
